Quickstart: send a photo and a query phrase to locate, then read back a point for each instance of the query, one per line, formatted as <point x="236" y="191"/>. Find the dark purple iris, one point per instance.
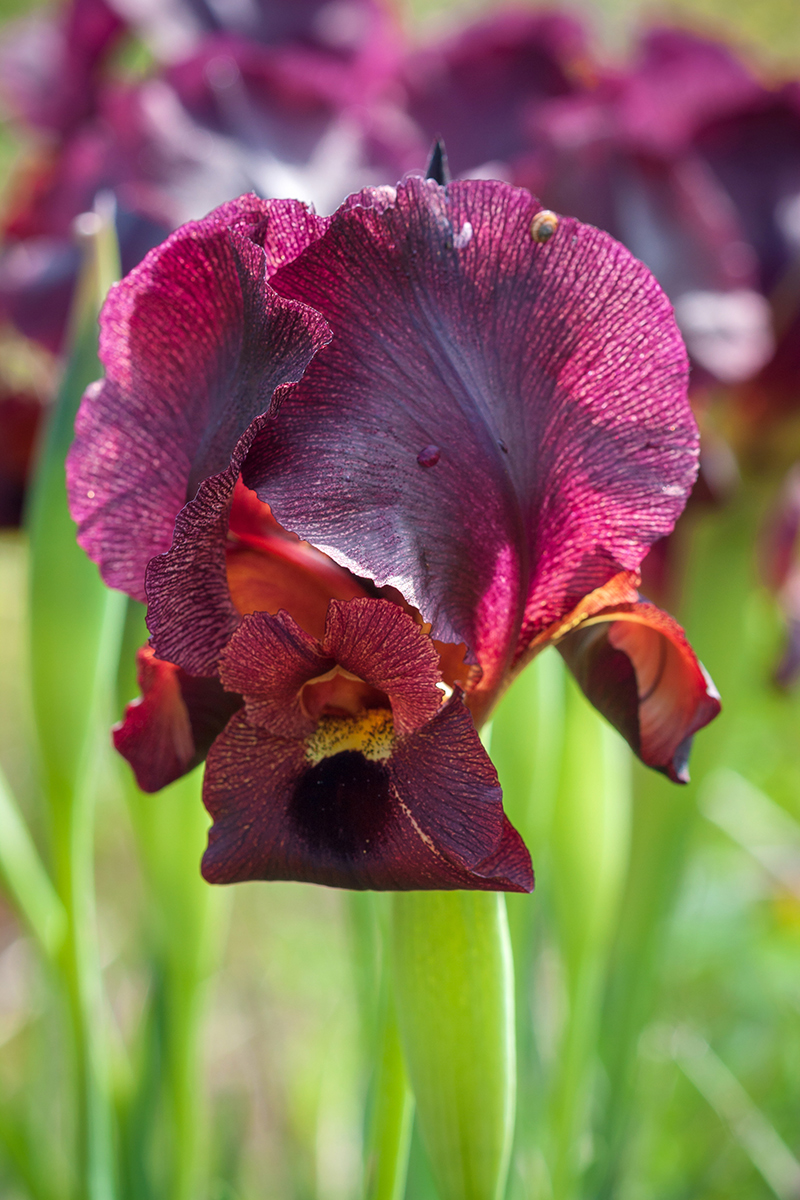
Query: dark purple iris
<point x="476" y="434"/>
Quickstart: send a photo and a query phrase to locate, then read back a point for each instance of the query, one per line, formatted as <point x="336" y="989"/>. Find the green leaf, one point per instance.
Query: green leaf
<point x="70" y="608"/>
<point x="391" y="1117"/>
<point x="589" y="856"/>
<point x="454" y="989"/>
<point x="76" y="626"/>
<point x="25" y="876"/>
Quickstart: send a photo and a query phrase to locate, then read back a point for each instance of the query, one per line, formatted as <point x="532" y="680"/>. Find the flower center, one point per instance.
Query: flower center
<point x="371" y="733"/>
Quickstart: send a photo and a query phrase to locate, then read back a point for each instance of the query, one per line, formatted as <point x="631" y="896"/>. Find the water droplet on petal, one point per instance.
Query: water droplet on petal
<point x="544" y="225"/>
<point x="502" y="445"/>
<point x="429" y="456"/>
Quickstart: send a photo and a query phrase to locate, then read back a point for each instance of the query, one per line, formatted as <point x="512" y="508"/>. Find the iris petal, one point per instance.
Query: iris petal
<point x="169" y="729"/>
<point x="635" y="665"/>
<point x="551" y="378"/>
<point x="349" y="822"/>
<point x="195" y="344"/>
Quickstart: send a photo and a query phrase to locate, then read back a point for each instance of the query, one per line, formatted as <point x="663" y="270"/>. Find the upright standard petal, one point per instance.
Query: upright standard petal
<point x="499" y="425"/>
<point x="196" y="345"/>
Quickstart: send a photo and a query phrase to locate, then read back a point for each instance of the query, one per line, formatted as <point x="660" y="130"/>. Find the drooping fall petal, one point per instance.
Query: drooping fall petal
<point x="351" y="822"/>
<point x="361" y="800"/>
<point x="636" y="666"/>
<point x="169" y="729"/>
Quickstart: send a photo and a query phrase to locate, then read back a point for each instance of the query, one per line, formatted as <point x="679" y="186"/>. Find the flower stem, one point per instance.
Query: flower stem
<point x="454" y="990"/>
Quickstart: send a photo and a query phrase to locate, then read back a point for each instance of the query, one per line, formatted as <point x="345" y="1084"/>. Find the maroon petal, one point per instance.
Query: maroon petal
<point x="635" y="665"/>
<point x="268" y="660"/>
<point x="754" y="151"/>
<point x="680" y="82"/>
<point x="195" y="344"/>
<point x="198" y="591"/>
<point x="190" y="613"/>
<point x="381" y="644"/>
<point x="551" y="379"/>
<point x="169" y="729"/>
<point x="21" y="415"/>
<point x="347" y="822"/>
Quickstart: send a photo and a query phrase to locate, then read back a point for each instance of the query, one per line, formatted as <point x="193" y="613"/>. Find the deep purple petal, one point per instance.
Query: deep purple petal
<point x="52" y="68"/>
<point x="222" y="565"/>
<point x="169" y="729"/>
<point x="622" y="157"/>
<point x="21" y="415"/>
<point x="551" y="377"/>
<point x="447" y="781"/>
<point x="635" y="665"/>
<point x="195" y="344"/>
<point x="679" y="83"/>
<point x="270" y="658"/>
<point x="345" y="821"/>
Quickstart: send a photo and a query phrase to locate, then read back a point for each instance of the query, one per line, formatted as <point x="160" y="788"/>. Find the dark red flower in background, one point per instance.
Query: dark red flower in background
<point x="20" y="418"/>
<point x="480" y="88"/>
<point x="287" y="104"/>
<point x="626" y="156"/>
<point x="476" y="432"/>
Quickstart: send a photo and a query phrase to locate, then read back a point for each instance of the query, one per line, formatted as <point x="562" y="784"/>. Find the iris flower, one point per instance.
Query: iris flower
<point x="362" y="468"/>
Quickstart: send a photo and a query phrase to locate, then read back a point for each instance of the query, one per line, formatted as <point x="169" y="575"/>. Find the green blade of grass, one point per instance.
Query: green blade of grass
<point x="26" y="878"/>
<point x="76" y="627"/>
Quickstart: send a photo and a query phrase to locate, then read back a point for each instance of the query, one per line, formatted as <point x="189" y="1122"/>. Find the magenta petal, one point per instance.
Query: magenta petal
<point x="195" y="344"/>
<point x="346" y="822"/>
<point x="168" y="730"/>
<point x="52" y="67"/>
<point x="638" y="669"/>
<point x="551" y="378"/>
